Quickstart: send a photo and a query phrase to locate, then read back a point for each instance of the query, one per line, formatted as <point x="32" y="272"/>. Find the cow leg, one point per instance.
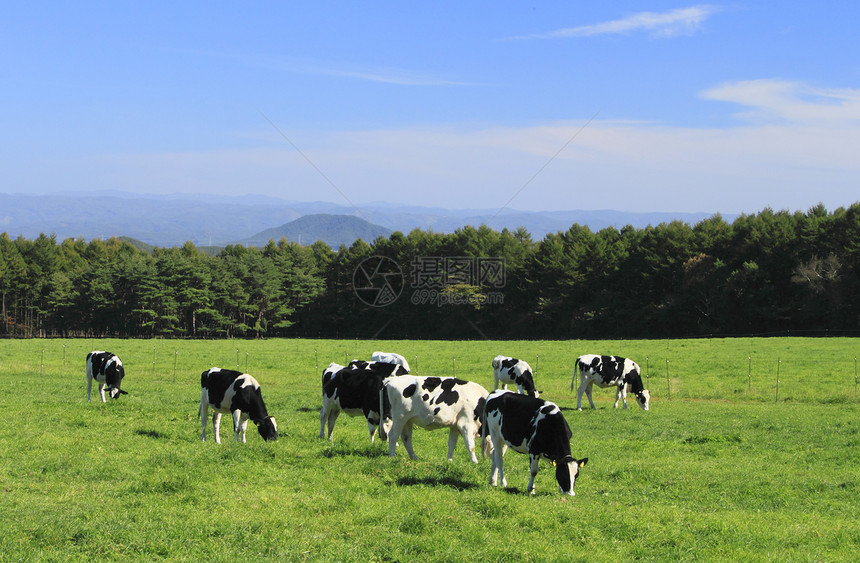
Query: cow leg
<point x="453" y="434"/>
<point x="589" y="389"/>
<point x="394" y="434"/>
<point x="333" y="413"/>
<point x="204" y="413"/>
<point x="244" y="428"/>
<point x="495" y="468"/>
<point x="371" y="426"/>
<point x="469" y="441"/>
<point x="407" y="440"/>
<point x="533" y="470"/>
<point x="216" y="426"/>
<point x="239" y="426"/>
<point x="323" y="417"/>
<point x="621" y="394"/>
<point x="102" y="391"/>
<point x="579" y="391"/>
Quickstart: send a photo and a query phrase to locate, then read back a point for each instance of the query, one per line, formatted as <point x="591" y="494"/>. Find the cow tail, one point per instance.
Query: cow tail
<point x="573" y="379"/>
<point x="484" y="446"/>
<point x="382" y="392"/>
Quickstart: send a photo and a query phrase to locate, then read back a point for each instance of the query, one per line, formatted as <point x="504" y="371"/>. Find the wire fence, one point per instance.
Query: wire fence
<point x="758" y="369"/>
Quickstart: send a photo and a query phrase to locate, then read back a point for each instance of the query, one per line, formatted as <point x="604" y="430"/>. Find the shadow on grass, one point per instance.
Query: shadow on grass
<point x="342" y="451"/>
<point x="308" y="409"/>
<point x="150" y="433"/>
<point x="452" y="482"/>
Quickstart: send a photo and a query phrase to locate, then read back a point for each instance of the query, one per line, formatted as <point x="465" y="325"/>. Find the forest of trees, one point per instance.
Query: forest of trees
<point x="770" y="272"/>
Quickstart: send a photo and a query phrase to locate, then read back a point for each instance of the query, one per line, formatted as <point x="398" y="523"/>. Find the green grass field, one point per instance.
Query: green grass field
<point x="724" y="469"/>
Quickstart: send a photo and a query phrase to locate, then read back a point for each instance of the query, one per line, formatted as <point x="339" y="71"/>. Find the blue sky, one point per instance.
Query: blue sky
<point x="635" y="106"/>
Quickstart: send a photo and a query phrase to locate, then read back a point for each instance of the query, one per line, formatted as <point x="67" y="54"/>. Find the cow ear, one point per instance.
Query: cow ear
<point x="121" y="392"/>
<point x="583" y="461"/>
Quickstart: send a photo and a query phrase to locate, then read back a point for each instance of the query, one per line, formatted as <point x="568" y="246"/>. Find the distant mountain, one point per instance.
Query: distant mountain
<point x="334" y="230"/>
<point x="171" y="220"/>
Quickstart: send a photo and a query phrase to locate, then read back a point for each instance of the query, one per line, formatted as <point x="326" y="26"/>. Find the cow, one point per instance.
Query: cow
<point x="355" y="392"/>
<point x="391" y="358"/>
<point x="229" y="391"/>
<point x="382" y="368"/>
<point x="529" y="426"/>
<point x="107" y="370"/>
<point x="511" y="370"/>
<point x="433" y="402"/>
<point x="610" y="371"/>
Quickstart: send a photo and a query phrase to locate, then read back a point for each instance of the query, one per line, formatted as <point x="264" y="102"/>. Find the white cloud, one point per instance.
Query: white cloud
<point x="681" y="21"/>
<point x="789" y="101"/>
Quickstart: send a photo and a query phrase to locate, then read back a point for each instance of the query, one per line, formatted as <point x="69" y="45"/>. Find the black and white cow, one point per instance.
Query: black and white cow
<point x="610" y="371"/>
<point x="511" y="370"/>
<point x="391" y="358"/>
<point x="530" y="426"/>
<point x="229" y="391"/>
<point x="107" y="370"/>
<point x="433" y="402"/>
<point x="382" y="368"/>
<point x="356" y="392"/>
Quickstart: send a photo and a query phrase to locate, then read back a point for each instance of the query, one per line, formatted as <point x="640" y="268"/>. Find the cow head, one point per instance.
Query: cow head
<point x="115" y="392"/>
<point x="566" y="472"/>
<point x="643" y="399"/>
<point x="267" y="428"/>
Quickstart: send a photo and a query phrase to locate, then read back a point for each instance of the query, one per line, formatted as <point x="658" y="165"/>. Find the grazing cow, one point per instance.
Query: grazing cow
<point x="382" y="368"/>
<point x="610" y="371"/>
<point x="391" y="358"/>
<point x="530" y="426"/>
<point x="229" y="391"/>
<point x="433" y="402"/>
<point x="511" y="370"/>
<point x="107" y="370"/>
<point x="356" y="392"/>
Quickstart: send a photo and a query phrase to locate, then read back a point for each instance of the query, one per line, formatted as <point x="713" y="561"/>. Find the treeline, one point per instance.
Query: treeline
<point x="768" y="272"/>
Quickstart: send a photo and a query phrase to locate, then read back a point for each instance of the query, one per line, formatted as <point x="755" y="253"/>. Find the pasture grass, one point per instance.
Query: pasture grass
<point x="724" y="469"/>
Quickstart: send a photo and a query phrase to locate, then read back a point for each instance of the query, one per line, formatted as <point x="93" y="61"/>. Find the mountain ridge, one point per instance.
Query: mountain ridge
<point x="173" y="219"/>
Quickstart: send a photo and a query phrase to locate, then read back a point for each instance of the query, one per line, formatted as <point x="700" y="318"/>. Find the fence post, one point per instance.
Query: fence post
<point x="42" y="365"/>
<point x="237" y="358"/>
<point x="246" y="362"/>
<point x="855" y="377"/>
<point x="316" y="361"/>
<point x="64" y="358"/>
<point x="415" y="366"/>
<point x="153" y="361"/>
<point x="175" y="356"/>
<point x="668" y="384"/>
<point x="778" y="362"/>
<point x="647" y="369"/>
<point x="749" y="374"/>
<point x="453" y="366"/>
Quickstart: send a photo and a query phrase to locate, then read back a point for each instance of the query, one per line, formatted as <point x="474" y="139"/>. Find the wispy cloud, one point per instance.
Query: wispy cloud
<point x="782" y="100"/>
<point x="681" y="21"/>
